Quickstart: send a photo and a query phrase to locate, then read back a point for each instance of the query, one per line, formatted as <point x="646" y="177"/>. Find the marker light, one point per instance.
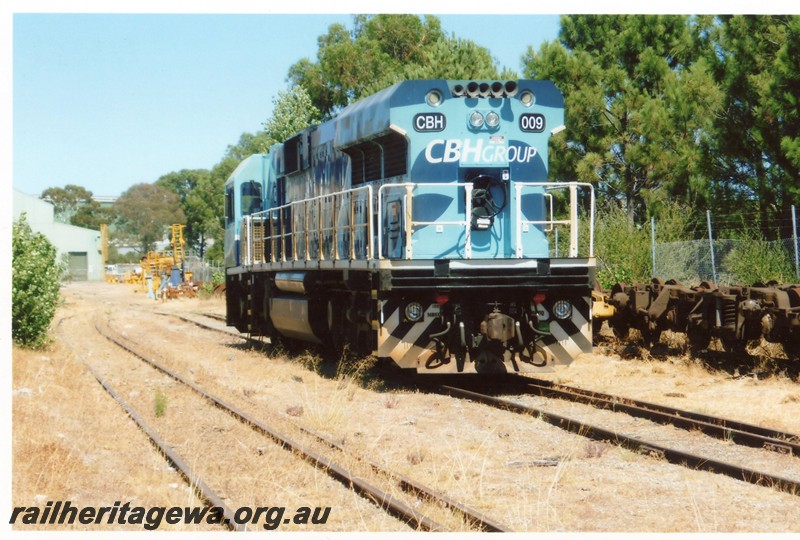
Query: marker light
<point x="526" y="98"/>
<point x="476" y="119"/>
<point x="433" y="98"/>
<point x="492" y="119"/>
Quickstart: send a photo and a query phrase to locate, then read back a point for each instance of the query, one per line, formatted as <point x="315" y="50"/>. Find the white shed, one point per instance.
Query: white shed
<point x="81" y="246"/>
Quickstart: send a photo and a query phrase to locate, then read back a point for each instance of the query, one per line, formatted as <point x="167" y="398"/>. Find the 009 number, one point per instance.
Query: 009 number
<point x="532" y="122"/>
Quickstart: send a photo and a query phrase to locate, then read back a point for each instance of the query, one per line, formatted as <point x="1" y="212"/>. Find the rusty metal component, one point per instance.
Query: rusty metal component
<point x="735" y="314"/>
<point x="729" y="430"/>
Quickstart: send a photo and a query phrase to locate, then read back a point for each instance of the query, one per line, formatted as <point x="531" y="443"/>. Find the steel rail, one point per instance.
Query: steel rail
<point x="203" y="325"/>
<point x="637" y="445"/>
<point x="382" y="499"/>
<point x="199" y="486"/>
<point x="476" y="518"/>
<point x="737" y="432"/>
<point x="741" y="426"/>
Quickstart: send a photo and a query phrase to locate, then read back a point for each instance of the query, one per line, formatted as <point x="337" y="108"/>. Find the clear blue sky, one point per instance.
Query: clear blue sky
<point x="108" y="101"/>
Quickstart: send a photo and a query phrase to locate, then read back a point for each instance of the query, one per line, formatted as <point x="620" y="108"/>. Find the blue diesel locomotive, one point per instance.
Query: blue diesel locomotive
<point x="418" y="225"/>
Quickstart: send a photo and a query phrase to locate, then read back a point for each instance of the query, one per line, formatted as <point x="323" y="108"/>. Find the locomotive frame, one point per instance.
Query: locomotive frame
<point x="418" y="225"/>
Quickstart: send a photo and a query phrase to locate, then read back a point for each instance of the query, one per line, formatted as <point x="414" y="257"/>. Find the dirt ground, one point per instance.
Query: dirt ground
<point x="71" y="441"/>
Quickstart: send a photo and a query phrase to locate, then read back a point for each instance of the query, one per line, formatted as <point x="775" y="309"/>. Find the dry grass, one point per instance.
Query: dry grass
<point x="531" y="476"/>
<point x="71" y="442"/>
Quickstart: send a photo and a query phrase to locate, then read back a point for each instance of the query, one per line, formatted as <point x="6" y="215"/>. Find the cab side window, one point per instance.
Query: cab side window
<point x="251" y="198"/>
<point x="229" y="205"/>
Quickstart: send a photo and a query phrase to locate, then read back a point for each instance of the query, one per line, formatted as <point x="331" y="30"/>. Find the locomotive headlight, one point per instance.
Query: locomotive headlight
<point x="492" y="119"/>
<point x="562" y="309"/>
<point x="414" y="311"/>
<point x="476" y="119"/>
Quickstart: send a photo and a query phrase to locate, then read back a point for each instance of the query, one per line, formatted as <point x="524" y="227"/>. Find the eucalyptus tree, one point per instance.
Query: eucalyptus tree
<point x="381" y="50"/>
<point x="199" y="202"/>
<point x="145" y="212"/>
<point x="75" y="205"/>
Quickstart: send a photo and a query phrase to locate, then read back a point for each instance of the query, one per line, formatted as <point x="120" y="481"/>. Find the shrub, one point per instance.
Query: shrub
<point x="754" y="259"/>
<point x="207" y="287"/>
<point x="622" y="249"/>
<point x="34" y="287"/>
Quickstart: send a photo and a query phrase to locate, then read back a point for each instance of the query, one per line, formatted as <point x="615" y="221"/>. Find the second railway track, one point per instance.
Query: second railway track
<point x="731" y="432"/>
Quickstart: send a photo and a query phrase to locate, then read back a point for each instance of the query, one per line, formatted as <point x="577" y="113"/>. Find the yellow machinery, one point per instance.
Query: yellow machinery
<point x="156" y="267"/>
<point x="159" y="265"/>
<point x="601" y="310"/>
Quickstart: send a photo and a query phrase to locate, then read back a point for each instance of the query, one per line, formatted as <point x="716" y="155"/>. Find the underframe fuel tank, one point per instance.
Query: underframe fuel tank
<point x="291" y="316"/>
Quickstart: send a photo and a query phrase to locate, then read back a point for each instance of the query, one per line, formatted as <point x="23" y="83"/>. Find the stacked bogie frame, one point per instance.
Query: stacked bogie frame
<point x="735" y="315"/>
<point x="418" y="225"/>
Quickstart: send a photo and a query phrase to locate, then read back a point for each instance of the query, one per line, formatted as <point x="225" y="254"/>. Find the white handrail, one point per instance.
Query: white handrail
<point x="409" y="188"/>
<point x="572" y="222"/>
<point x="319" y="228"/>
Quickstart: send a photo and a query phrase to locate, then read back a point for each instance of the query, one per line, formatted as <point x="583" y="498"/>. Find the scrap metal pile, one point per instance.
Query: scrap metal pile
<point x="735" y="315"/>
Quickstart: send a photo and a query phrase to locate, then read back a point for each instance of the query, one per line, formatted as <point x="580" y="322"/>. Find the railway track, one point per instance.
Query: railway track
<point x="365" y="487"/>
<point x="723" y="428"/>
<point x="727" y="430"/>
<point x="193" y="481"/>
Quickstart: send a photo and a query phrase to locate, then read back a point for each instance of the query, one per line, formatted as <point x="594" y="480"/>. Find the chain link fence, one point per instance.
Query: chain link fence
<point x="727" y="261"/>
<point x="202" y="271"/>
<point x="742" y="262"/>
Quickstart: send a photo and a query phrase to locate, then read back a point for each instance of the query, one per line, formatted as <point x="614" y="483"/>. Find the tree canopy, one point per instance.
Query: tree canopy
<point x="638" y="100"/>
<point x="702" y="110"/>
<point x="74" y="204"/>
<point x="754" y="147"/>
<point x="145" y="212"/>
<point x="380" y="51"/>
<point x="199" y="197"/>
